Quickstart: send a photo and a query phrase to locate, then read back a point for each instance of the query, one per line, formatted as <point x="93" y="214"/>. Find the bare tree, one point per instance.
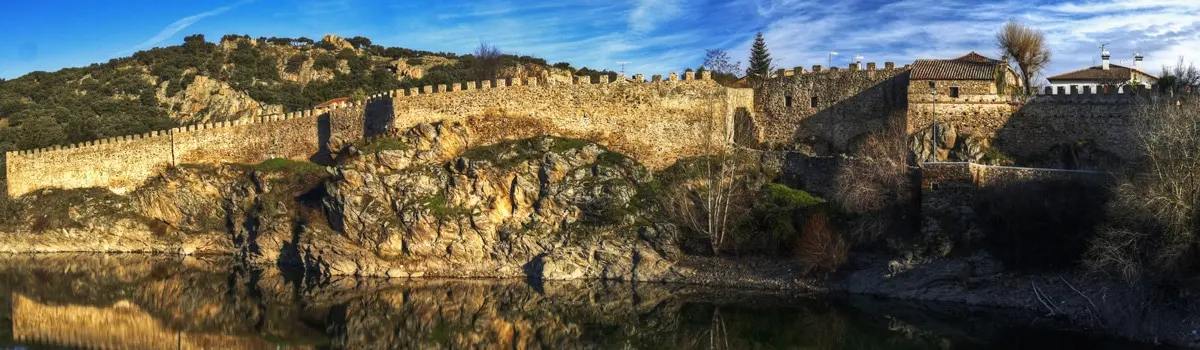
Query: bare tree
<point x="1156" y="214"/>
<point x="487" y="58"/>
<point x="876" y="184"/>
<point x="718" y="61"/>
<point x="712" y="202"/>
<point x="1027" y="46"/>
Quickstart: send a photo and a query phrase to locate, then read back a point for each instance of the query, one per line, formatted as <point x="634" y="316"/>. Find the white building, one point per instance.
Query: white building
<point x="1105" y="76"/>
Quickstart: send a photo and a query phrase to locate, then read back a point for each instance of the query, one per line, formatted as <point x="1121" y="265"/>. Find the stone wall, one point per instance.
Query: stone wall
<point x="849" y="104"/>
<point x="654" y="122"/>
<point x="123" y="163"/>
<point x="1030" y="128"/>
<point x="949" y="192"/>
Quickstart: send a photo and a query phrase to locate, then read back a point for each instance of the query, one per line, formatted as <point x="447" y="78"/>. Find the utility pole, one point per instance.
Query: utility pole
<point x="933" y="134"/>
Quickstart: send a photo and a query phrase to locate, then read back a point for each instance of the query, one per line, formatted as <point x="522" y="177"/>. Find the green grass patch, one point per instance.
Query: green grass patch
<point x="439" y="205"/>
<point x="290" y="166"/>
<point x="783" y="196"/>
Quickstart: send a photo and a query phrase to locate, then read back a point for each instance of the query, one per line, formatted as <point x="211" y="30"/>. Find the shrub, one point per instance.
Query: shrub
<point x="778" y="213"/>
<point x="877" y="187"/>
<point x="818" y="246"/>
<point x="1035" y="225"/>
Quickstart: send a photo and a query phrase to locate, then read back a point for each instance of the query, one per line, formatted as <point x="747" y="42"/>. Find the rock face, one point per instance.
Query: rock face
<point x="206" y="100"/>
<point x="543" y="207"/>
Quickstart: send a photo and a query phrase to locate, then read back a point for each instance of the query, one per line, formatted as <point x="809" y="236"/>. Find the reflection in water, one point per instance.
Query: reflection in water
<point x="142" y="302"/>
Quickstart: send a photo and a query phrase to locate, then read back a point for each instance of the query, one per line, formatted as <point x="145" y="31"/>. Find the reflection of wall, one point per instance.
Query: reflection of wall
<point x="120" y="326"/>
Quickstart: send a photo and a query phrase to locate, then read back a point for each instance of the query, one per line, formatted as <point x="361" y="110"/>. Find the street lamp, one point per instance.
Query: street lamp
<point x="933" y="135"/>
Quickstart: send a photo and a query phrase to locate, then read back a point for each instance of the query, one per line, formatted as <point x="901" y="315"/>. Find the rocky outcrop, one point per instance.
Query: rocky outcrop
<point x="543" y="207"/>
<point x="206" y="100"/>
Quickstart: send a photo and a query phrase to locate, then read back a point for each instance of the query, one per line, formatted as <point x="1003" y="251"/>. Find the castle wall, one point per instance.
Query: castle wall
<point x="122" y="164"/>
<point x="949" y="191"/>
<point x="655" y="123"/>
<point x="850" y="103"/>
<point x="119" y="163"/>
<point x="1029" y="128"/>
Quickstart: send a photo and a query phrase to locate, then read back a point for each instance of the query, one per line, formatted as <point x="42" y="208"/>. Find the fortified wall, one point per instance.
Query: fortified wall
<point x="655" y="122"/>
<point x="828" y="110"/>
<point x="949" y="191"/>
<point x="1032" y="127"/>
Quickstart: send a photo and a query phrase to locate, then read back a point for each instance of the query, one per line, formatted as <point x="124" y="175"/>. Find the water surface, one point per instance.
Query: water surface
<point x="143" y="302"/>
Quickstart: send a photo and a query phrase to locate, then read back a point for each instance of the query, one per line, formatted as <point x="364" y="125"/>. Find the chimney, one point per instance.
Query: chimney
<point x="1137" y="61"/>
<point x="1104" y="59"/>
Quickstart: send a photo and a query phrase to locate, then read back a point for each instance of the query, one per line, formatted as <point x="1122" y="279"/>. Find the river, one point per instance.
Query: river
<point x="145" y="302"/>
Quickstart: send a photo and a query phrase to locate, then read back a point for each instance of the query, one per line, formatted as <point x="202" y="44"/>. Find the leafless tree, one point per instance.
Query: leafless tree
<point x="1156" y="214"/>
<point x="877" y="185"/>
<point x="718" y="61"/>
<point x="487" y="59"/>
<point x="1027" y="47"/>
<point x="712" y="202"/>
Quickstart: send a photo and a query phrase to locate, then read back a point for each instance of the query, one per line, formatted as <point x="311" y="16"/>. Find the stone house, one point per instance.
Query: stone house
<point x="974" y="98"/>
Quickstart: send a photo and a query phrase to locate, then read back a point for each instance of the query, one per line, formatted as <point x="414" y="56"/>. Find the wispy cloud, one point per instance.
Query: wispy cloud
<point x="648" y="14"/>
<point x="181" y="24"/>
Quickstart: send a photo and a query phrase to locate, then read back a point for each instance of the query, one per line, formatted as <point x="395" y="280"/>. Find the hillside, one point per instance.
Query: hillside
<point x="200" y="81"/>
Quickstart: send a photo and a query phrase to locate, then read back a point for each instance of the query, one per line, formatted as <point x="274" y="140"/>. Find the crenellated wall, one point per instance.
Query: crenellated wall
<point x="654" y="122"/>
<point x="849" y="103"/>
<point x="124" y="163"/>
<point x="1031" y="127"/>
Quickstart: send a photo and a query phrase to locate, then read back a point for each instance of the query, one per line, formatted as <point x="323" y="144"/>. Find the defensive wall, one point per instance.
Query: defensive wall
<point x="655" y="122"/>
<point x="950" y="191"/>
<point x="830" y="109"/>
<point x="1028" y="127"/>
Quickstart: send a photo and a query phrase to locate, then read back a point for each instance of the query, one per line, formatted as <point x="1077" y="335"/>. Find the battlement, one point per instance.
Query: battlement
<point x="851" y="68"/>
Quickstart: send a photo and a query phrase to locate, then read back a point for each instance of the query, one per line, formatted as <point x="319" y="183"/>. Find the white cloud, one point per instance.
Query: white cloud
<point x="648" y="14"/>
<point x="181" y="24"/>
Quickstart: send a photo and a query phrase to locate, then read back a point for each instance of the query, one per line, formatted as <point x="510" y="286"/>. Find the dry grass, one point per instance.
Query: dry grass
<point x="819" y="247"/>
<point x="877" y="187"/>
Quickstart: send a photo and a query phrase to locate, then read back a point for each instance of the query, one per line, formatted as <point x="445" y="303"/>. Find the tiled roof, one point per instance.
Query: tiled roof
<point x="972" y="66"/>
<point x="333" y="102"/>
<point x="1097" y="73"/>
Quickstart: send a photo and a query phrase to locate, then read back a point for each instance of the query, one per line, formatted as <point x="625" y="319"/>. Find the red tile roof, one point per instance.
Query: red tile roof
<point x="332" y="102"/>
<point x="971" y="66"/>
<point x="1097" y="73"/>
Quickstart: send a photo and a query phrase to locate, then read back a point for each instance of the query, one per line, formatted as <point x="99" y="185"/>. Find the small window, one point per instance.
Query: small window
<point x="954" y="91"/>
<point x="933" y="186"/>
<point x="813" y="102"/>
<point x="787" y="100"/>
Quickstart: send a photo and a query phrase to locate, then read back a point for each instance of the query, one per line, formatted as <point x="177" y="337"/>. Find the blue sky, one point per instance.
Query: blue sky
<point x="655" y="36"/>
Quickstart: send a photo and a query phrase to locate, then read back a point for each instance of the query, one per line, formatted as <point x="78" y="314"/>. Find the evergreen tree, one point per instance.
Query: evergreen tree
<point x="760" y="60"/>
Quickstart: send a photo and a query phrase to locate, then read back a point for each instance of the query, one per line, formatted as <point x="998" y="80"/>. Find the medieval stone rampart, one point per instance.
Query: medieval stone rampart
<point x="655" y="122"/>
<point x="831" y="109"/>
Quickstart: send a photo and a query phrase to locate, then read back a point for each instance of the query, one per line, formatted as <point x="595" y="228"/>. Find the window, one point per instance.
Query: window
<point x="954" y="91"/>
<point x="787" y="100"/>
<point x="813" y="103"/>
<point x="933" y="186"/>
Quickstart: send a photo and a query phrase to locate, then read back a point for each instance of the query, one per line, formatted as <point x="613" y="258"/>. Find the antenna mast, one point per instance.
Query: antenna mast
<point x="623" y="63"/>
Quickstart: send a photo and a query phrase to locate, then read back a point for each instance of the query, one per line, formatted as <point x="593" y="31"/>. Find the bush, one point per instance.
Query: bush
<point x="878" y="189"/>
<point x="818" y="246"/>
<point x="778" y="214"/>
<point x="1036" y="225"/>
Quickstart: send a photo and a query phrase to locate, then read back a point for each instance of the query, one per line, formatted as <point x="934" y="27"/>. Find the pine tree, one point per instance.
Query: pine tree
<point x="760" y="60"/>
